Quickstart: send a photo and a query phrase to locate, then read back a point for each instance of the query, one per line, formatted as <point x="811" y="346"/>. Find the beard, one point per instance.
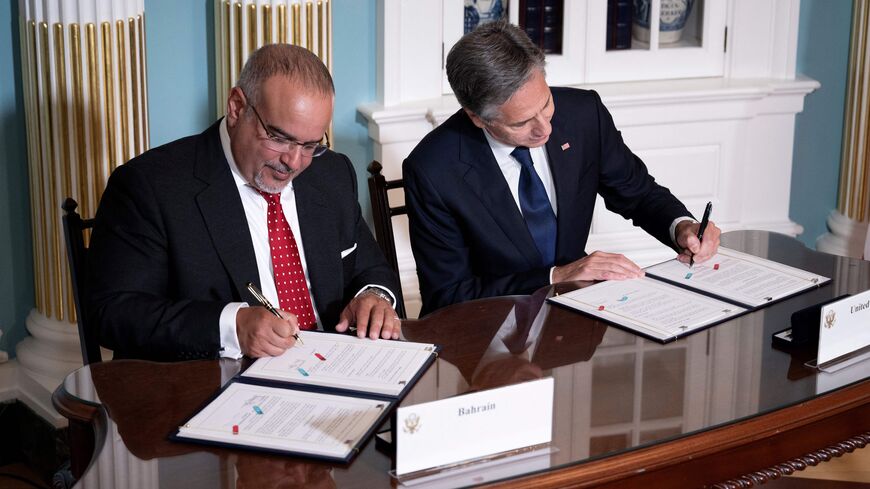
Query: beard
<point x="260" y="180"/>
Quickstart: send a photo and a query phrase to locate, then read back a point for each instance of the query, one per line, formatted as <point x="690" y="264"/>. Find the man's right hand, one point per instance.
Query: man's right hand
<point x="598" y="266"/>
<point x="262" y="334"/>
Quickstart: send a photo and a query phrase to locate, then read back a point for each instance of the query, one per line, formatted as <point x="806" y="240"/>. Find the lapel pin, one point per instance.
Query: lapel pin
<point x="565" y="146"/>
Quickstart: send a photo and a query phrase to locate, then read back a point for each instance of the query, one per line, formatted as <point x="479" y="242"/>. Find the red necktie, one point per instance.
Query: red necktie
<point x="287" y="266"/>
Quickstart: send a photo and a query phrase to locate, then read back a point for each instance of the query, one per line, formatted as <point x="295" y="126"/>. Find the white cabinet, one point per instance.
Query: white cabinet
<point x="712" y="117"/>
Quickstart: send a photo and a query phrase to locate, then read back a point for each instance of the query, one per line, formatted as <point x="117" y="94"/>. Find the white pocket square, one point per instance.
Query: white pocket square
<point x="348" y="251"/>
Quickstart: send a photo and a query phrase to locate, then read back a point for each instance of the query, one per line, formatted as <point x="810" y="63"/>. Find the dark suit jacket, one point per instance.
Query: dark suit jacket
<point x="468" y="236"/>
<point x="171" y="247"/>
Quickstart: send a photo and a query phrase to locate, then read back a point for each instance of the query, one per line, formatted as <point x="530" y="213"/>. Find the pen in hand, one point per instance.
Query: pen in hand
<point x="268" y="305"/>
<point x="704" y="221"/>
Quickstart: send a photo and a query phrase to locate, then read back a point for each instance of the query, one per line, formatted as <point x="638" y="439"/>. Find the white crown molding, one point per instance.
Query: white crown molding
<point x="631" y="103"/>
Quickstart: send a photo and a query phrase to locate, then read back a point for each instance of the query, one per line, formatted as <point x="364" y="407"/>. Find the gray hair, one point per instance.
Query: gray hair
<point x="294" y="62"/>
<point x="488" y="65"/>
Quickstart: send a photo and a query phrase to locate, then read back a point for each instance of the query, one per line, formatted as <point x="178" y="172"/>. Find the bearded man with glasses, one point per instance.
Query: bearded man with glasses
<point x="258" y="197"/>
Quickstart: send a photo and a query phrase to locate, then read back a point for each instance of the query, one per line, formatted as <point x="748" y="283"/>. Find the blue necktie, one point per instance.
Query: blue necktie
<point x="536" y="207"/>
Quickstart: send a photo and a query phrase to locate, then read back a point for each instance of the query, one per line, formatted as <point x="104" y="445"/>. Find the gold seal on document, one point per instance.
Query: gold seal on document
<point x="830" y="319"/>
<point x="412" y="424"/>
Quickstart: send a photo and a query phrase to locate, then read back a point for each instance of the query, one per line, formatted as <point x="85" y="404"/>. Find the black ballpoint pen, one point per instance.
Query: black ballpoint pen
<point x="268" y="305"/>
<point x="704" y="221"/>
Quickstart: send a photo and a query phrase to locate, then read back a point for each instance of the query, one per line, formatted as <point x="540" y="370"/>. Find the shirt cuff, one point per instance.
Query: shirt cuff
<point x="388" y="291"/>
<point x="552" y="269"/>
<point x="674" y="228"/>
<point x="230" y="347"/>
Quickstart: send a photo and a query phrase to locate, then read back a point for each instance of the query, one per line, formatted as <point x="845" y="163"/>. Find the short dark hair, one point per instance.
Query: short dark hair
<point x="489" y="64"/>
<point x="296" y="63"/>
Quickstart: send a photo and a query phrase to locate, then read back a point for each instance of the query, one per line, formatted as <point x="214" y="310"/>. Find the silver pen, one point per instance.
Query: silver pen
<point x="268" y="305"/>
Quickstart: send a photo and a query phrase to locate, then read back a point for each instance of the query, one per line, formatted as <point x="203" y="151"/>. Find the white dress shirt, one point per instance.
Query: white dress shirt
<point x="510" y="168"/>
<point x="256" y="209"/>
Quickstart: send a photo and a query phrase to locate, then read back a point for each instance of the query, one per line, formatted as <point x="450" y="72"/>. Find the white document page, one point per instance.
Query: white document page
<point x="346" y="362"/>
<point x="739" y="277"/>
<point x="649" y="306"/>
<point x="282" y="419"/>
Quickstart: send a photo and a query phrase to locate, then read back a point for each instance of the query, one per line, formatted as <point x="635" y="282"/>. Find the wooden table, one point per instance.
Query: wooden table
<point x="721" y="407"/>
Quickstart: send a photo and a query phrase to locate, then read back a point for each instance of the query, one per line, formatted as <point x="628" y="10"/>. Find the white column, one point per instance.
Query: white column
<point x="85" y="96"/>
<point x="242" y="26"/>
<point x="848" y="223"/>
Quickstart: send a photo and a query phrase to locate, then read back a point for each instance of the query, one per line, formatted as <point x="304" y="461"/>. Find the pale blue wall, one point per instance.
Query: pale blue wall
<point x="179" y="48"/>
<point x="823" y="54"/>
<point x="181" y="103"/>
<point x="16" y="257"/>
<point x="355" y="79"/>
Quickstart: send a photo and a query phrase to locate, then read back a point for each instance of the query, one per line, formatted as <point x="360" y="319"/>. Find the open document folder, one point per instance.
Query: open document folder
<point x="322" y="399"/>
<point x="674" y="300"/>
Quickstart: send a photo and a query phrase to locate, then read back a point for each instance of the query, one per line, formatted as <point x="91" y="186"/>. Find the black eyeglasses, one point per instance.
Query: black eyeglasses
<point x="280" y="144"/>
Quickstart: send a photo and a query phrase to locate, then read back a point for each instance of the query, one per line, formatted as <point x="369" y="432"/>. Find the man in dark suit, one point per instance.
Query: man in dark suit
<point x="500" y="196"/>
<point x="257" y="197"/>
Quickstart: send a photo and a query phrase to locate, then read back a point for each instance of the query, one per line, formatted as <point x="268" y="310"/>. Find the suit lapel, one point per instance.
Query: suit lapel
<point x="223" y="213"/>
<point x="487" y="181"/>
<point x="320" y="242"/>
<point x="565" y="170"/>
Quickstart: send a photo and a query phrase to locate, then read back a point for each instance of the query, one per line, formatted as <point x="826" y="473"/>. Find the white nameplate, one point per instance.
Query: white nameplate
<point x="845" y="327"/>
<point x="474" y="425"/>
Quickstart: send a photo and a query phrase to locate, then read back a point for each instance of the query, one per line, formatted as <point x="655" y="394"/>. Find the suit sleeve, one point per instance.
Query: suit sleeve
<point x="369" y="267"/>
<point x="131" y="280"/>
<point x="627" y="187"/>
<point x="444" y="259"/>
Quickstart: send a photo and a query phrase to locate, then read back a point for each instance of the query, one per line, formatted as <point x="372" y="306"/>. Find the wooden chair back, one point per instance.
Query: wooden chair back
<point x="74" y="229"/>
<point x="383" y="215"/>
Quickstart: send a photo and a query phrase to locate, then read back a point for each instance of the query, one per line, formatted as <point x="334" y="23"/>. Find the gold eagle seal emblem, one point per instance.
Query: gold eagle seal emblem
<point x="412" y="424"/>
<point x="830" y="318"/>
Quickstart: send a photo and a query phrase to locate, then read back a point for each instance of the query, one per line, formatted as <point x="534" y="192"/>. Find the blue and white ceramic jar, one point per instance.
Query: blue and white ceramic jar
<point x="672" y="20"/>
<point x="482" y="11"/>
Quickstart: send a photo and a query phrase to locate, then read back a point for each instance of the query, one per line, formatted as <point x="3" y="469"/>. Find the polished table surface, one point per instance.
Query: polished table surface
<point x="709" y="408"/>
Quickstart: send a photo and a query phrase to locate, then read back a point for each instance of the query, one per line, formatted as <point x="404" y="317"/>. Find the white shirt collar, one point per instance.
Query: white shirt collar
<point x="500" y="150"/>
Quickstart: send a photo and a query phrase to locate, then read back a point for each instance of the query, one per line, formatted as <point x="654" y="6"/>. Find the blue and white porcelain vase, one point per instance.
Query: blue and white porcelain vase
<point x="672" y="20"/>
<point x="482" y="11"/>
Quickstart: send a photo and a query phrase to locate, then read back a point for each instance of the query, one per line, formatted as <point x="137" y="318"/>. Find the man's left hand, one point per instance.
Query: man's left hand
<point x="686" y="234"/>
<point x="373" y="316"/>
